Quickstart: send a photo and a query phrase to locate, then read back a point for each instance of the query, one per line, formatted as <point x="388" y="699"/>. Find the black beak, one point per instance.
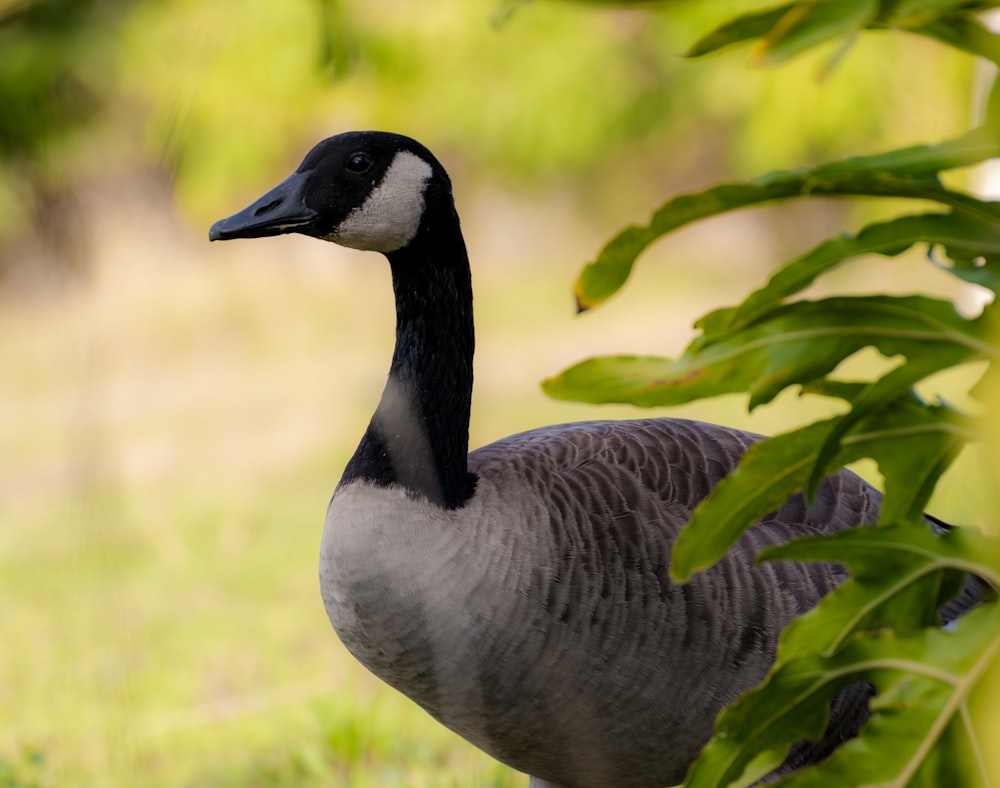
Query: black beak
<point x="281" y="210"/>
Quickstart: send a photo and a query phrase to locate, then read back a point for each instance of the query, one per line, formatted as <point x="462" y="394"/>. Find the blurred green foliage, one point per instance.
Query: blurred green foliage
<point x="56" y="76"/>
<point x="54" y="73"/>
<point x="24" y="771"/>
<point x="216" y="96"/>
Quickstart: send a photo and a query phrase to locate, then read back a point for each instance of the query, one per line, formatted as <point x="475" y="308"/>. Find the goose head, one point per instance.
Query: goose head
<point x="387" y="193"/>
<point x="364" y="190"/>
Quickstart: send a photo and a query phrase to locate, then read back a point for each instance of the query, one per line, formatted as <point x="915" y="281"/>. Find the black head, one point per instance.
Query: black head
<point x="362" y="189"/>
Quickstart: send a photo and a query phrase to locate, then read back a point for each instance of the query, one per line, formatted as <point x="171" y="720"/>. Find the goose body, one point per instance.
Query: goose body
<point x="558" y="645"/>
<point x="520" y="593"/>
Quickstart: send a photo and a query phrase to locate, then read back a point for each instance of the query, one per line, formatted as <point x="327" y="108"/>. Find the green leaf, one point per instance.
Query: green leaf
<point x="897" y="577"/>
<point x="603" y="379"/>
<point x="908" y="172"/>
<point x="965" y="34"/>
<point x="885" y="562"/>
<point x="792" y="28"/>
<point x="812" y="22"/>
<point x="974" y="272"/>
<point x="913" y="444"/>
<point x="738" y="30"/>
<point x="903" y="596"/>
<point x="876" y="396"/>
<point x="793" y="343"/>
<point x="900" y="436"/>
<point x="992" y="123"/>
<point x="924" y="679"/>
<point x="882" y="561"/>
<point x="908" y="13"/>
<point x="973" y="244"/>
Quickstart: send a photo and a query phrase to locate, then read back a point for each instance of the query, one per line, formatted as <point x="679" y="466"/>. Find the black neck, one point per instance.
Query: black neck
<point x="419" y="435"/>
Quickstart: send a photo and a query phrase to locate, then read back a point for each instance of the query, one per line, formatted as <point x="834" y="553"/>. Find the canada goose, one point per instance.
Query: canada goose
<point x="520" y="594"/>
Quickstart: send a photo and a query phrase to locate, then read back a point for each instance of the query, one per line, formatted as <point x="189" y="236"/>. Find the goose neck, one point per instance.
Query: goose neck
<point x="419" y="435"/>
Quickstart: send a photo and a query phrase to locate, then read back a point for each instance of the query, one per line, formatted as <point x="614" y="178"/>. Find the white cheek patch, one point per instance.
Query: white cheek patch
<point x="390" y="217"/>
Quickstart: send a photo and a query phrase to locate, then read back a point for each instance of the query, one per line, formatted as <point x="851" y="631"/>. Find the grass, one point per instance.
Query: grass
<point x="171" y="432"/>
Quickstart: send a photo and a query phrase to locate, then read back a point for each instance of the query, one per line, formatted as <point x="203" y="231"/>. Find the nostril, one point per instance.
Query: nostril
<point x="267" y="208"/>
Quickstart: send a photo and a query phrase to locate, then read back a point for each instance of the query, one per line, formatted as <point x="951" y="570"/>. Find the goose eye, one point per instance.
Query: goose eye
<point x="359" y="162"/>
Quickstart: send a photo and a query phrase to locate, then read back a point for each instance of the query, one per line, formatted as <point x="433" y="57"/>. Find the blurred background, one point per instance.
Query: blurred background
<point x="175" y="414"/>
